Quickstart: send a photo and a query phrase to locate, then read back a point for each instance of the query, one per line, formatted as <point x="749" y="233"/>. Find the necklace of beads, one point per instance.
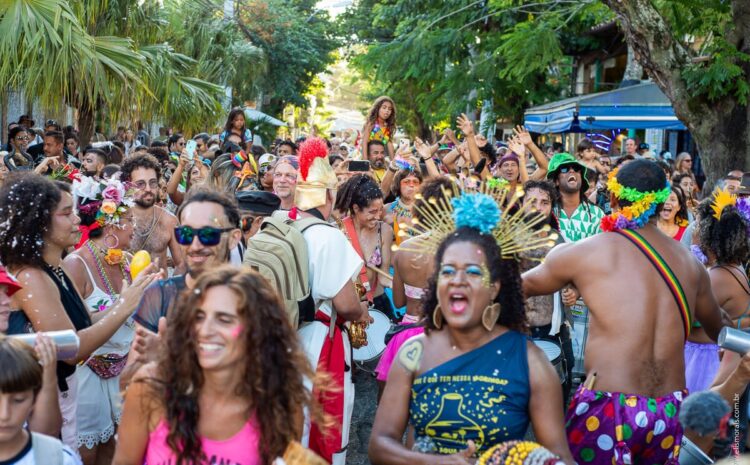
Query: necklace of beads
<point x="59" y="273"/>
<point x="400" y="210"/>
<point x="100" y="269"/>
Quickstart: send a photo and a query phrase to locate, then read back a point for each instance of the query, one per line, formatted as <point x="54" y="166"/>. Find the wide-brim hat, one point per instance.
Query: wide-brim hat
<point x="566" y="159"/>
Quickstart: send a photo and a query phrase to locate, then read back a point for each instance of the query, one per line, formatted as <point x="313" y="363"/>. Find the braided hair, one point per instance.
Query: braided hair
<point x="360" y="190"/>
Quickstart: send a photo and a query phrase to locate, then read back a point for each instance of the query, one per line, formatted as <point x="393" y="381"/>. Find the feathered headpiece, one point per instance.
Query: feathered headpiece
<point x="315" y="176"/>
<point x="722" y="199"/>
<point x="514" y="229"/>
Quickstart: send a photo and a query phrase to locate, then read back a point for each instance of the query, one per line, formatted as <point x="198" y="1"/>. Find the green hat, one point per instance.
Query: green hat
<point x="566" y="159"/>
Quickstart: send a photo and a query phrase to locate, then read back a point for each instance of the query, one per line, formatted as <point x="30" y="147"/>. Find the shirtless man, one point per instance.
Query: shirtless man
<point x="154" y="226"/>
<point x="636" y="329"/>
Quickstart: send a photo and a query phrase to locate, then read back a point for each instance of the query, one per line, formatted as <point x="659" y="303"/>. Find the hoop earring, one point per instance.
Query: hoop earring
<point x="490" y="315"/>
<point x="117" y="241"/>
<point x="437" y="317"/>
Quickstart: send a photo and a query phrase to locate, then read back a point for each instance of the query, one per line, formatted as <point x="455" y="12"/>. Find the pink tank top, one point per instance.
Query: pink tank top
<point x="240" y="449"/>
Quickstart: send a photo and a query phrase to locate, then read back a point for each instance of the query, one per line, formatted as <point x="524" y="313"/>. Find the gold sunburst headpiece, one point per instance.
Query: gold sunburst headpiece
<point x="491" y="209"/>
<point x="722" y="199"/>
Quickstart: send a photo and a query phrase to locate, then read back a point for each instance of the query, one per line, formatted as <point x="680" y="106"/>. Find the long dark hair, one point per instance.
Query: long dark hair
<point x="372" y="116"/>
<point x="359" y="190"/>
<point x="549" y="189"/>
<point x="230" y="120"/>
<point x="27" y="203"/>
<point x="682" y="216"/>
<point x="511" y="300"/>
<point x="274" y="368"/>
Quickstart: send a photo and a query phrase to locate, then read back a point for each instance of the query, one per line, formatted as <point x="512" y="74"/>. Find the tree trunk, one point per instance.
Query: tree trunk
<point x="721" y="127"/>
<point x="633" y="69"/>
<point x="85" y="124"/>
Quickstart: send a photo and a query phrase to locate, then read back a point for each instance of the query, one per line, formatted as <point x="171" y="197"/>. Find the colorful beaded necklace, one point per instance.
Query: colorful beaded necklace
<point x="95" y="252"/>
<point x="399" y="210"/>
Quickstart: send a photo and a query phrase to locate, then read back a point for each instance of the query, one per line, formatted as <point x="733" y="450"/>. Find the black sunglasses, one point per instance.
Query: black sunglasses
<point x="207" y="236"/>
<point x="246" y="223"/>
<point x="568" y="168"/>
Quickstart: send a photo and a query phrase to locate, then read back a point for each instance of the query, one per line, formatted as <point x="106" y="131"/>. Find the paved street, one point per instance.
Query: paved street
<point x="365" y="405"/>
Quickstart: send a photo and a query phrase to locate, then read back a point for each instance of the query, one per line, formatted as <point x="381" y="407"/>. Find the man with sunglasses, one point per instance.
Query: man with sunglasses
<point x="265" y="171"/>
<point x="578" y="217"/>
<point x="153" y="224"/>
<point x="207" y="234"/>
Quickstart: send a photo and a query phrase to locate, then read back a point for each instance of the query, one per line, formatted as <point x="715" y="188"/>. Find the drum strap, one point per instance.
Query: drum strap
<point x="351" y="233"/>
<point x="666" y="273"/>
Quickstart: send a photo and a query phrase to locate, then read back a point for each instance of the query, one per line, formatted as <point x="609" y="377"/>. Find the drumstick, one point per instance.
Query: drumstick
<point x="380" y="272"/>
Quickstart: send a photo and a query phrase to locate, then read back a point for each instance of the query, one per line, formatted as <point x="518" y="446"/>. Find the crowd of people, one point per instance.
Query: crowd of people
<point x="234" y="339"/>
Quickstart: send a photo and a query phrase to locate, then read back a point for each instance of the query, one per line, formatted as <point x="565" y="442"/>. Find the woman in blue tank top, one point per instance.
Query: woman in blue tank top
<point x="474" y="379"/>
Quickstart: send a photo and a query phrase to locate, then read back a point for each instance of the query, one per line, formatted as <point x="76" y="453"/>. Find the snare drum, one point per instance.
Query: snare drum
<point x="554" y="355"/>
<point x="376" y="332"/>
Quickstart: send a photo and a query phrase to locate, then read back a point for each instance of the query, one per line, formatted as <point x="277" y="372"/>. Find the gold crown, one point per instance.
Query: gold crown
<point x="516" y="232"/>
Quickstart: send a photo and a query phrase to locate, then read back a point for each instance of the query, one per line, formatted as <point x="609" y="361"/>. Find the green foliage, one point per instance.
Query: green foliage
<point x="298" y="42"/>
<point x="440" y="58"/>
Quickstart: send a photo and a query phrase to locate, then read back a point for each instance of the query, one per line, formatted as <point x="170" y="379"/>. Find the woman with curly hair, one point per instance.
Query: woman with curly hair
<point x="412" y="270"/>
<point x="473" y="380"/>
<point x="724" y="243"/>
<point x="39" y="224"/>
<point x="361" y="201"/>
<point x="673" y="216"/>
<point x="380" y="125"/>
<point x="230" y="386"/>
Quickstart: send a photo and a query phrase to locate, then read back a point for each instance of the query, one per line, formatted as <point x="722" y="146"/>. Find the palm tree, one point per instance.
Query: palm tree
<point x="103" y="56"/>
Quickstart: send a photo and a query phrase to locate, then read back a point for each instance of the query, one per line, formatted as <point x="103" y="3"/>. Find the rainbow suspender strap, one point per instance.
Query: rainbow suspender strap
<point x="664" y="271"/>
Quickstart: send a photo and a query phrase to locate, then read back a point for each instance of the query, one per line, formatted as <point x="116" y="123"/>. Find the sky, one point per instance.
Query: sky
<point x="334" y="7"/>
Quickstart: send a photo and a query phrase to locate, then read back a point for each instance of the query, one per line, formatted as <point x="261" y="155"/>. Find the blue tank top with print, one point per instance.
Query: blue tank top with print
<point x="482" y="395"/>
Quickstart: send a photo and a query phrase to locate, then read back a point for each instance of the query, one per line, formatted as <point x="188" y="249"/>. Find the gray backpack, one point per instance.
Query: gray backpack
<point x="279" y="253"/>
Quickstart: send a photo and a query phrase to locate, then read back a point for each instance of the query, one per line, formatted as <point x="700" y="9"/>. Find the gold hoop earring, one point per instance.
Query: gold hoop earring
<point x="490" y="315"/>
<point x="437" y="317"/>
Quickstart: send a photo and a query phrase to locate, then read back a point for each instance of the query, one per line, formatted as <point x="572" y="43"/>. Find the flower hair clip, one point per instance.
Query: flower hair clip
<point x="108" y="200"/>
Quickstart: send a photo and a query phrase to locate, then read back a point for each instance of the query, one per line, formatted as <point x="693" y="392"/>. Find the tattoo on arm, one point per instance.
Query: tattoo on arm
<point x="410" y="355"/>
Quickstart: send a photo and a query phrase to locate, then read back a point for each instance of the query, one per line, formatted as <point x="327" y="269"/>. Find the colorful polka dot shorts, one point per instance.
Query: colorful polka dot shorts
<point x="607" y="428"/>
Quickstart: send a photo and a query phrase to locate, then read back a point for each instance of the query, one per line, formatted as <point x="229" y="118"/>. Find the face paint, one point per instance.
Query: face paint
<point x="486" y="276"/>
<point x="237" y="331"/>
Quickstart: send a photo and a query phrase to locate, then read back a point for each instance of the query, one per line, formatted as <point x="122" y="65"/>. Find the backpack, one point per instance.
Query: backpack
<point x="278" y="252"/>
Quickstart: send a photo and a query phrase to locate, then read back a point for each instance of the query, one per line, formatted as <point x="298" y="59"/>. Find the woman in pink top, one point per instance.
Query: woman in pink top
<point x="229" y="385"/>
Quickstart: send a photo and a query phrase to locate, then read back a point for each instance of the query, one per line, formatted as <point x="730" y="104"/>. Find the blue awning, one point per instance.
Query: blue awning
<point x="642" y="106"/>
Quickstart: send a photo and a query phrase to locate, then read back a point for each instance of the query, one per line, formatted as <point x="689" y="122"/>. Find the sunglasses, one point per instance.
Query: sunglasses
<point x="246" y="223"/>
<point x="207" y="236"/>
<point x="567" y="169"/>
